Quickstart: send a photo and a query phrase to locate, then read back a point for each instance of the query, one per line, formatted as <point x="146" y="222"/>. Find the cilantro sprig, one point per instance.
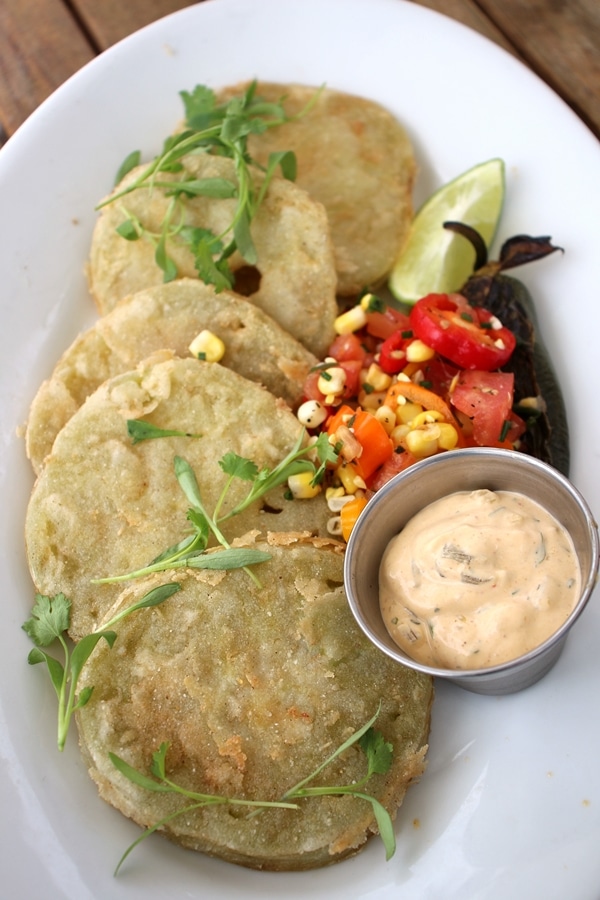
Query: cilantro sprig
<point x="378" y="752"/>
<point x="193" y="550"/>
<point x="49" y="623"/>
<point x="222" y="129"/>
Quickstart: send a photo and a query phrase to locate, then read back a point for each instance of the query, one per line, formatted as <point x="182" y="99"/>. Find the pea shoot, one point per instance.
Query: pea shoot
<point x="220" y="129"/>
<point x="193" y="550"/>
<point x="378" y="752"/>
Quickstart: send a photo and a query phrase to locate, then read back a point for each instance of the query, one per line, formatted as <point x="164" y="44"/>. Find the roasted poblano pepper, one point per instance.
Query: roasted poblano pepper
<point x="538" y="397"/>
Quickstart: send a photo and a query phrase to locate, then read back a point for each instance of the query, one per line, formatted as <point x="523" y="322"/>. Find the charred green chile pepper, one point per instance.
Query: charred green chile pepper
<point x="538" y="397"/>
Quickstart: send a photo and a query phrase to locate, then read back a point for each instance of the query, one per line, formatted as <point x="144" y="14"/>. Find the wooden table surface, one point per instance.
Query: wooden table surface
<point x="43" y="42"/>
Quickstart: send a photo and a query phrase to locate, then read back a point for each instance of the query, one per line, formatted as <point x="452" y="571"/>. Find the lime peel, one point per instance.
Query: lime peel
<point x="434" y="259"/>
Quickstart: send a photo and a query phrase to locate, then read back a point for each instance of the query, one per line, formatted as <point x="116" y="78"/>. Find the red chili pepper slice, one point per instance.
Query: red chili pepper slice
<point x="468" y="336"/>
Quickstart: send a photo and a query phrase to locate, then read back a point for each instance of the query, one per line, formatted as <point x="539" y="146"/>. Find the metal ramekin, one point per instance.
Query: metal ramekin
<point x="466" y="470"/>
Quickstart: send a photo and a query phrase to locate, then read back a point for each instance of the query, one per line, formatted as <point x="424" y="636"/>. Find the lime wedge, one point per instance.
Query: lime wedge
<point x="435" y="260"/>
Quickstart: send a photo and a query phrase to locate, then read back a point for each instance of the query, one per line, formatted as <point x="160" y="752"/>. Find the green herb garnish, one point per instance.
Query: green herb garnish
<point x="223" y="130"/>
<point x="49" y="622"/>
<point x="139" y="430"/>
<point x="377" y="750"/>
<point x="193" y="551"/>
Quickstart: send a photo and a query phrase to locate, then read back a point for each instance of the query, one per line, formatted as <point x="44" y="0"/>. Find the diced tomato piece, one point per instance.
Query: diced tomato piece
<point x="438" y="374"/>
<point x="466" y="335"/>
<point x="310" y="388"/>
<point x="487" y="399"/>
<point x="394" y="464"/>
<point x="347" y="346"/>
<point x="352" y="368"/>
<point x="382" y="324"/>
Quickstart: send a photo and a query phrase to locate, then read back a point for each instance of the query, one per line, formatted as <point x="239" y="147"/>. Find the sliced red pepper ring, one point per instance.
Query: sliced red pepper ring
<point x="469" y="336"/>
<point x="392" y="353"/>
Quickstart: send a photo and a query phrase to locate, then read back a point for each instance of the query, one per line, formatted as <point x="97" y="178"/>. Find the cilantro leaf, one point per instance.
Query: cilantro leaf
<point x="379" y="752"/>
<point x="50" y="617"/>
<point x="49" y="622"/>
<point x="238" y="467"/>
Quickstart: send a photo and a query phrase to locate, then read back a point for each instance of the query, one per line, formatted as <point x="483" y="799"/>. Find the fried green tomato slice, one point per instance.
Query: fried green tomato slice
<point x="104" y="505"/>
<point x="252" y="688"/>
<point x="294" y="279"/>
<point x="168" y="316"/>
<point x="357" y="159"/>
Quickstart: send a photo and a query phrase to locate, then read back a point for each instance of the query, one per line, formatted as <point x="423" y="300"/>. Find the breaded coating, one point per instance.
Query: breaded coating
<point x="167" y="316"/>
<point x="358" y="161"/>
<point x="252" y="688"/>
<point x="104" y="505"/>
<point x="295" y="266"/>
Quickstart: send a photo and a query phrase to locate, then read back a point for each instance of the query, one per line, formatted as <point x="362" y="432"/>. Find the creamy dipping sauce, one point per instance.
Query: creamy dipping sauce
<point x="476" y="579"/>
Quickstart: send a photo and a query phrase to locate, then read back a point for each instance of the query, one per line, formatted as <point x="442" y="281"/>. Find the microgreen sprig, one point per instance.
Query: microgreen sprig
<point x="193" y="551"/>
<point x="378" y="751"/>
<point x="221" y="129"/>
<point x="49" y="622"/>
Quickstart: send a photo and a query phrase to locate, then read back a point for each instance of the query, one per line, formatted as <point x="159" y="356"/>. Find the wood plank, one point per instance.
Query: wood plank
<point x="468" y="13"/>
<point x="108" y="21"/>
<point x="41" y="45"/>
<point x="560" y="40"/>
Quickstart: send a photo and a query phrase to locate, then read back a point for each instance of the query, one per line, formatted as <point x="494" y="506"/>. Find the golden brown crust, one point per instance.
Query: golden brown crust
<point x="104" y="506"/>
<point x="357" y="160"/>
<point x="290" y="232"/>
<point x="253" y="688"/>
<point x="167" y="316"/>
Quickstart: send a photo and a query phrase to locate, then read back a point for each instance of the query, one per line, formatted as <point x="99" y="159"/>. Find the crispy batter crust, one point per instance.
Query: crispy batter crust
<point x="103" y="505"/>
<point x="253" y="688"/>
<point x="167" y="316"/>
<point x="290" y="232"/>
<point x="357" y="160"/>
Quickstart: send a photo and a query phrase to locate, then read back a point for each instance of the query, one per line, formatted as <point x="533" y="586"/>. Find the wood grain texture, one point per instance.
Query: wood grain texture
<point x="43" y="42"/>
<point x="108" y="21"/>
<point x="41" y="45"/>
<point x="468" y="13"/>
<point x="560" y="40"/>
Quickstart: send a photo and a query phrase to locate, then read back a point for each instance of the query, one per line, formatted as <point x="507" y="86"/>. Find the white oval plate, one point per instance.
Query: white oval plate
<point x="510" y="803"/>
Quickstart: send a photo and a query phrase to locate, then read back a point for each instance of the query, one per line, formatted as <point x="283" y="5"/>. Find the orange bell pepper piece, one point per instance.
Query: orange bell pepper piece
<point x="376" y="444"/>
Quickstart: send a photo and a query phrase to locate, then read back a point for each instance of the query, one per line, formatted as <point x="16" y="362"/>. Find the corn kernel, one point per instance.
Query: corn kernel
<point x="422" y="442"/>
<point x="207" y="346"/>
<point x="387" y="417"/>
<point x="349" y="478"/>
<point x="426" y="417"/>
<point x="398" y="434"/>
<point x="369" y="301"/>
<point x="352" y="320"/>
<point x="311" y="413"/>
<point x="371" y="400"/>
<point x="331" y="382"/>
<point x="448" y="438"/>
<point x="377" y="378"/>
<point x="301" y="486"/>
<point x="417" y="351"/>
<point x="407" y="412"/>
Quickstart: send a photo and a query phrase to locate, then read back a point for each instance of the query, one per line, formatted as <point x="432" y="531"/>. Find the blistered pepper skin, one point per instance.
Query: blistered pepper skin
<point x="547" y="435"/>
